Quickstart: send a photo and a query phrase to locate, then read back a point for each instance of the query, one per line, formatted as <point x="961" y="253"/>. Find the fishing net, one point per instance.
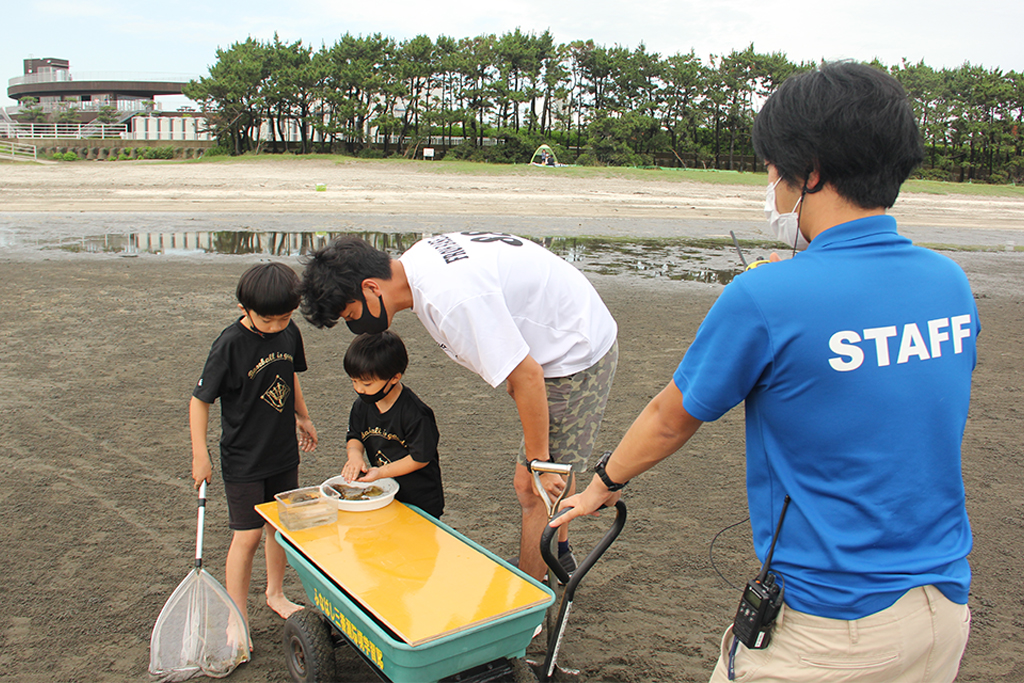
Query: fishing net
<point x="200" y="631"/>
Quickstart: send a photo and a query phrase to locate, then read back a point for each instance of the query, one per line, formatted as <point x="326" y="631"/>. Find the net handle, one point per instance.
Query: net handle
<point x="201" y="523"/>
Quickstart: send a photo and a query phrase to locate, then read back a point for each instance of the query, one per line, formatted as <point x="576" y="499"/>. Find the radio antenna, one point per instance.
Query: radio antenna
<point x="771" y="550"/>
<point x="738" y="250"/>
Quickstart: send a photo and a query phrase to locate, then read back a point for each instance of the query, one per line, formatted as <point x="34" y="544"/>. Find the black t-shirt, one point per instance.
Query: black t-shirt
<point x="254" y="377"/>
<point x="407" y="428"/>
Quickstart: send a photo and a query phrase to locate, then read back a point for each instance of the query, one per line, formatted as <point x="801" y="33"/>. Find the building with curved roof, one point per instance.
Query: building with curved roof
<point x="51" y="83"/>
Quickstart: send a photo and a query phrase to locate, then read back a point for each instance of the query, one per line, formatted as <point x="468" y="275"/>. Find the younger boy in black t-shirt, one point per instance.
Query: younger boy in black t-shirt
<point x="252" y="368"/>
<point x="390" y="425"/>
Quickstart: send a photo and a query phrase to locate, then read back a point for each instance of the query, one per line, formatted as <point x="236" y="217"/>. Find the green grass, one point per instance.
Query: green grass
<point x="975" y="189"/>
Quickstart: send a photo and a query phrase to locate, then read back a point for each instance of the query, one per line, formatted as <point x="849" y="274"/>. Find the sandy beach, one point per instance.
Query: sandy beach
<point x="101" y="351"/>
<point x="411" y="188"/>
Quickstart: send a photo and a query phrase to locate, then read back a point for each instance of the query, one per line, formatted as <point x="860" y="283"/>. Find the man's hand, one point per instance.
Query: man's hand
<point x="588" y="502"/>
<point x="659" y="431"/>
<point x="553" y="483"/>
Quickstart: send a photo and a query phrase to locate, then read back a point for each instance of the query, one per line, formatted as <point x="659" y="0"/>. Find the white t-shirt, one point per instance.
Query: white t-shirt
<point x="489" y="299"/>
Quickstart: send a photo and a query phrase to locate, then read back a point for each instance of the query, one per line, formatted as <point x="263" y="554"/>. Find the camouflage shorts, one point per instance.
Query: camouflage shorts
<point x="575" y="407"/>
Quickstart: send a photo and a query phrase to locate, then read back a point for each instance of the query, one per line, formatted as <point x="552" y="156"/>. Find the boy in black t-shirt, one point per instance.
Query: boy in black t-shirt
<point x="252" y="369"/>
<point x="390" y="425"/>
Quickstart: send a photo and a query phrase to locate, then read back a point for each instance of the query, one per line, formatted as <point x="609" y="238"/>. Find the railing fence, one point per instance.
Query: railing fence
<point x="17" y="152"/>
<point x="74" y="131"/>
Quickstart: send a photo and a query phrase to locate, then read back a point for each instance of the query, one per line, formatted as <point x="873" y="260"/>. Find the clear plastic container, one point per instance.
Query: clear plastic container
<point x="305" y="508"/>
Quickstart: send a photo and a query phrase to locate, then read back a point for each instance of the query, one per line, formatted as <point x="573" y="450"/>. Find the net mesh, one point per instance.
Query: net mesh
<point x="200" y="631"/>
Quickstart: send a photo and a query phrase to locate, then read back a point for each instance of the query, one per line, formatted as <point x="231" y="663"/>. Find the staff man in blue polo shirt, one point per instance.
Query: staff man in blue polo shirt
<point x="853" y="359"/>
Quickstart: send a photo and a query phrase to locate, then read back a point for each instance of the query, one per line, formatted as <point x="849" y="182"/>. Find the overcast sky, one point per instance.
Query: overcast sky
<point x="182" y="36"/>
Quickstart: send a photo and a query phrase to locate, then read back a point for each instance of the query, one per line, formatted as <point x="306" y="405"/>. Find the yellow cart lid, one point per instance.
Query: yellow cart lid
<point x="410" y="573"/>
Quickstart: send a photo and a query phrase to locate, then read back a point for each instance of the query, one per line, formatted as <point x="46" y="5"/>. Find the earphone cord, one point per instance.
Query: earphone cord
<point x="796" y="240"/>
<point x="711" y="550"/>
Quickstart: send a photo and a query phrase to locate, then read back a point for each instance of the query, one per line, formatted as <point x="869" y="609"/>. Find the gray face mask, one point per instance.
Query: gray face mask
<point x="367" y="322"/>
<point x="785" y="226"/>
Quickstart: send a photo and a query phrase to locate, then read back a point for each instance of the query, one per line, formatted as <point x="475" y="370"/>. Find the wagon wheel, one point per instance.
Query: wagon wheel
<point x="523" y="671"/>
<point x="308" y="647"/>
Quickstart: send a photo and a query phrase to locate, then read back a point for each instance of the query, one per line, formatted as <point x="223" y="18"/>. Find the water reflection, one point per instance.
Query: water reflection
<point x="697" y="260"/>
<point x="707" y="260"/>
<point x="227" y="242"/>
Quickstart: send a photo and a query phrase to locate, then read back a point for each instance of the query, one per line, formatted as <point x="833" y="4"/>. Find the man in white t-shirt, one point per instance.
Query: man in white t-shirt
<point x="510" y="311"/>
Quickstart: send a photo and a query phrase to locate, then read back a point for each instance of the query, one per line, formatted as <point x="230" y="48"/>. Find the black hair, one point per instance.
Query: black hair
<point x="334" y="276"/>
<point x="850" y="122"/>
<point x="269" y="289"/>
<point x="376" y="356"/>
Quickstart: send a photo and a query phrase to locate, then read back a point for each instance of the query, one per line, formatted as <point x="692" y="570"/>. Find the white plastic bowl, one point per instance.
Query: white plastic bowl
<point x="387" y="485"/>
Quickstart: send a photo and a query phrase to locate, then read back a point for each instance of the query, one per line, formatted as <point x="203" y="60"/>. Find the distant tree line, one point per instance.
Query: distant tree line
<point x="375" y="96"/>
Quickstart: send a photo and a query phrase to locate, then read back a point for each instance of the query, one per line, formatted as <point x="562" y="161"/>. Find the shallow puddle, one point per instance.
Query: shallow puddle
<point x="709" y="260"/>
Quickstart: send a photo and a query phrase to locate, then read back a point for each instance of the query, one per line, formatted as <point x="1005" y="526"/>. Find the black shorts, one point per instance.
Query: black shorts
<point x="243" y="497"/>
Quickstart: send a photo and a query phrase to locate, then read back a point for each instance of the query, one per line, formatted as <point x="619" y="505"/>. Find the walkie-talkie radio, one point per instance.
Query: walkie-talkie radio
<point x="761" y="601"/>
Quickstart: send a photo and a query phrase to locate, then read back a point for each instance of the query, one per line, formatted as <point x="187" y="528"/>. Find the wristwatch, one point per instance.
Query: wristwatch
<point x="599" y="471"/>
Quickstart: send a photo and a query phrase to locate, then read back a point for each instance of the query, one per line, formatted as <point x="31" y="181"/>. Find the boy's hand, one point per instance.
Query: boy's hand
<point x="202" y="469"/>
<point x="307" y="433"/>
<point x="353" y="469"/>
<point x="372" y="474"/>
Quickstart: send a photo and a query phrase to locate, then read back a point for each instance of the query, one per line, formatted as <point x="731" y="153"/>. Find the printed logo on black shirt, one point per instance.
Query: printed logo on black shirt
<point x="278" y="393"/>
<point x="272" y="358"/>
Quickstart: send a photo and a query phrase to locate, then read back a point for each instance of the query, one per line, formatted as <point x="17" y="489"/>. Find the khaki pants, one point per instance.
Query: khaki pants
<point x="920" y="639"/>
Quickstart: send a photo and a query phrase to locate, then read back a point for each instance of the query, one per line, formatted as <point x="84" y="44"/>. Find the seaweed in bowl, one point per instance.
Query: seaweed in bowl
<point x="357" y="492"/>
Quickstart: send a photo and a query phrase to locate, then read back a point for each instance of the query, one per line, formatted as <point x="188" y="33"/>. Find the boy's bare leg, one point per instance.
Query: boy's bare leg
<point x="276" y="562"/>
<point x="238" y="569"/>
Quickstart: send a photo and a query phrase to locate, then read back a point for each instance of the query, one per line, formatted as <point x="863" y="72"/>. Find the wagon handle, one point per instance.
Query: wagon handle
<point x="555" y="638"/>
<point x="556" y="567"/>
<point x="539" y="467"/>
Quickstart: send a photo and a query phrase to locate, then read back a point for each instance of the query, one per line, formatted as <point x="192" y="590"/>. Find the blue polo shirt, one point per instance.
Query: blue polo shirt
<point x="854" y="360"/>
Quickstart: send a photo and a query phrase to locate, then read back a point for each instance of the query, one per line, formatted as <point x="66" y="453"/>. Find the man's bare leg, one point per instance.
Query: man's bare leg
<point x="535" y="518"/>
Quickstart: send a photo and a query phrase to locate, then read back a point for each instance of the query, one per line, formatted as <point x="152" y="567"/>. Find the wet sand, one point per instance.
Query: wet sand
<point x="101" y="353"/>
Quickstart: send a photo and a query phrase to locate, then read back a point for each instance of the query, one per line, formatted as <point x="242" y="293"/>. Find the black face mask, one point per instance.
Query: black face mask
<point x="253" y="324"/>
<point x="372" y="399"/>
<point x="367" y="323"/>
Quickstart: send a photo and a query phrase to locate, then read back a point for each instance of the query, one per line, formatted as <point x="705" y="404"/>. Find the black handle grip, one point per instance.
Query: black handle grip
<point x="556" y="567"/>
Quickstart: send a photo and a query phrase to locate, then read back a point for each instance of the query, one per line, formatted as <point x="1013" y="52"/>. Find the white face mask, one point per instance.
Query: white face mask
<point x="785" y="226"/>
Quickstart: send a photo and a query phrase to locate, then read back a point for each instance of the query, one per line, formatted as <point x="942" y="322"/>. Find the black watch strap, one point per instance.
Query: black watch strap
<point x="603" y="476"/>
